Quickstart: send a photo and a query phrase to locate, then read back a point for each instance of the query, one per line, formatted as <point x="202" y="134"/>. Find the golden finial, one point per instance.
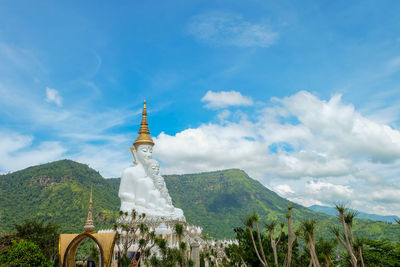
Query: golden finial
<point x="89" y="227"/>
<point x="144" y="132"/>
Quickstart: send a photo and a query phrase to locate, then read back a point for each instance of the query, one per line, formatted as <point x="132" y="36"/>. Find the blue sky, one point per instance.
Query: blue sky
<point x="304" y="96"/>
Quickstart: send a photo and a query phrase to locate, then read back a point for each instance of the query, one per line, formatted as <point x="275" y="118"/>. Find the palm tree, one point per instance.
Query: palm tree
<point x="308" y="229"/>
<point x="344" y="216"/>
<point x="288" y="258"/>
<point x="358" y="245"/>
<point x="182" y="245"/>
<point x="250" y="221"/>
<point x="326" y="249"/>
<point x="274" y="243"/>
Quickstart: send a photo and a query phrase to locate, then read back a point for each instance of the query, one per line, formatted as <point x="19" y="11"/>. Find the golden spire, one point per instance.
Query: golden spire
<point x="89" y="227"/>
<point x="144" y="133"/>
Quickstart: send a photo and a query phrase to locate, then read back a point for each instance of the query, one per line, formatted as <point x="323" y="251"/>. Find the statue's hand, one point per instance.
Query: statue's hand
<point x="128" y="197"/>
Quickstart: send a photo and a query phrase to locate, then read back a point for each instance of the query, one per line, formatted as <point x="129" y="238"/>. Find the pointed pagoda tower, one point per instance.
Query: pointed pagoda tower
<point x="89" y="227"/>
<point x="144" y="132"/>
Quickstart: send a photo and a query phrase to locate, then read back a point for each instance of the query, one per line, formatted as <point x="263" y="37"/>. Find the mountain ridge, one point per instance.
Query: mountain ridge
<point x="218" y="200"/>
<point x="362" y="215"/>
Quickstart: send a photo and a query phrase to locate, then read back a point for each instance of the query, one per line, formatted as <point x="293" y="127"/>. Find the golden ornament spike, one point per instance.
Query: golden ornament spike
<point x="144" y="132"/>
<point x="89" y="227"/>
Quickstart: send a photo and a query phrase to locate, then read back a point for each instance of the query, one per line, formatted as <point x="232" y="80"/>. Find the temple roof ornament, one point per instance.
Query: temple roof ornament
<point x="89" y="227"/>
<point x="144" y="132"/>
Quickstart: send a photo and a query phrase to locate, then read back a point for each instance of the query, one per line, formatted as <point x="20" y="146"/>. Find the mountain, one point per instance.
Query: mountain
<point x="57" y="191"/>
<point x="362" y="215"/>
<point x="218" y="201"/>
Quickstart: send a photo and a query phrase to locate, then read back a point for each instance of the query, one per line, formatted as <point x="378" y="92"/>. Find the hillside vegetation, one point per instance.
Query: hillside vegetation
<point x="218" y="201"/>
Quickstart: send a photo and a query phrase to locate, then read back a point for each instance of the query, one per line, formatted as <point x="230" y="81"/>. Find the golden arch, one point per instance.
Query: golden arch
<point x="69" y="243"/>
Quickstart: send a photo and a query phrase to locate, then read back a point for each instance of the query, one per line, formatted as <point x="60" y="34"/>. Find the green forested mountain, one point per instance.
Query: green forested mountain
<point x="221" y="200"/>
<point x="217" y="201"/>
<point x="56" y="191"/>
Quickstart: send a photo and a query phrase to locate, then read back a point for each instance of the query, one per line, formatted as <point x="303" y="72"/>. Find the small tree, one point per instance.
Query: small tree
<point x="288" y="258"/>
<point x="234" y="253"/>
<point x="250" y="221"/>
<point x="132" y="230"/>
<point x="24" y="254"/>
<point x="308" y="228"/>
<point x="274" y="242"/>
<point x="169" y="256"/>
<point x="325" y="249"/>
<point x="44" y="235"/>
<point x="346" y="219"/>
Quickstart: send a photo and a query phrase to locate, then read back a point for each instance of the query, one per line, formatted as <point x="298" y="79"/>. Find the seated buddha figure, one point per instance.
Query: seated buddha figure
<point x="138" y="189"/>
<point x="160" y="186"/>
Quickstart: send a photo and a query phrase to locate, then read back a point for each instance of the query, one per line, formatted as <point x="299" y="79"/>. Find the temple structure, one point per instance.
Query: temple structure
<point x="142" y="187"/>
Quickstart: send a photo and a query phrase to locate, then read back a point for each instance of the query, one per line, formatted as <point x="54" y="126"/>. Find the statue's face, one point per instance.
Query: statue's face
<point x="144" y="153"/>
<point x="155" y="168"/>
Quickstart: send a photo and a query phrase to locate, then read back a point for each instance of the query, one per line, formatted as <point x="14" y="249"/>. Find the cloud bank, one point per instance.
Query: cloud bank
<point x="334" y="151"/>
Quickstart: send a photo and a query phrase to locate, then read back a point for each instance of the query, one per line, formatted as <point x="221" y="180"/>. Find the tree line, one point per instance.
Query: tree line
<point x="299" y="247"/>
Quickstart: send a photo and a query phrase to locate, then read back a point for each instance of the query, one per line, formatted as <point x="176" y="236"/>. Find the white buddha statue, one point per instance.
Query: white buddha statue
<point x="142" y="187"/>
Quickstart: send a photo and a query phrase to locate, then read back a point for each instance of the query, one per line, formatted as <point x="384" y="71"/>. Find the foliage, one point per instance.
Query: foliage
<point x="381" y="253"/>
<point x="44" y="235"/>
<point x="24" y="254"/>
<point x="135" y="231"/>
<point x="326" y="250"/>
<point x="378" y="253"/>
<point x="94" y="253"/>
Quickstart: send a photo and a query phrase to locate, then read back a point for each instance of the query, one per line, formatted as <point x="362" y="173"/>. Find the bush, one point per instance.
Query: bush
<point x="24" y="254"/>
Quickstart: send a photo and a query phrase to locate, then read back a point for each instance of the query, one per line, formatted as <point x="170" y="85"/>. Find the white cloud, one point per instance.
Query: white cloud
<point x="329" y="192"/>
<point x="229" y="29"/>
<point x="17" y="151"/>
<point x="391" y="195"/>
<point x="283" y="190"/>
<point x="52" y="95"/>
<point x="335" y="151"/>
<point x="325" y="140"/>
<point x="223" y="99"/>
<point x="224" y="114"/>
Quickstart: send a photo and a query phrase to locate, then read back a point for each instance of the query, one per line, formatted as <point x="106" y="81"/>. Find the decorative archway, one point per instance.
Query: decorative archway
<point x="69" y="243"/>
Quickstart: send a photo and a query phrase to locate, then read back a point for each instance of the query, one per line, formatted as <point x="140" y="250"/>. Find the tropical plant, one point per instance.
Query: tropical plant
<point x="291" y="240"/>
<point x="234" y="253"/>
<point x="131" y="229"/>
<point x="250" y="222"/>
<point x="168" y="256"/>
<point x="345" y="217"/>
<point x="274" y="242"/>
<point x="308" y="229"/>
<point x="326" y="249"/>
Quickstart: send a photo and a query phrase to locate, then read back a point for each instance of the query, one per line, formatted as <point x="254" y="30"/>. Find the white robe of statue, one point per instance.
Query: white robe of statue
<point x="143" y="189"/>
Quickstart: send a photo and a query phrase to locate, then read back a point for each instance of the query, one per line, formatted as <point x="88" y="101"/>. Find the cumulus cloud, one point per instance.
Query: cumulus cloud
<point x="219" y="28"/>
<point x="329" y="192"/>
<point x="223" y="99"/>
<point x="325" y="139"/>
<point x="341" y="130"/>
<point x="327" y="144"/>
<point x="52" y="96"/>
